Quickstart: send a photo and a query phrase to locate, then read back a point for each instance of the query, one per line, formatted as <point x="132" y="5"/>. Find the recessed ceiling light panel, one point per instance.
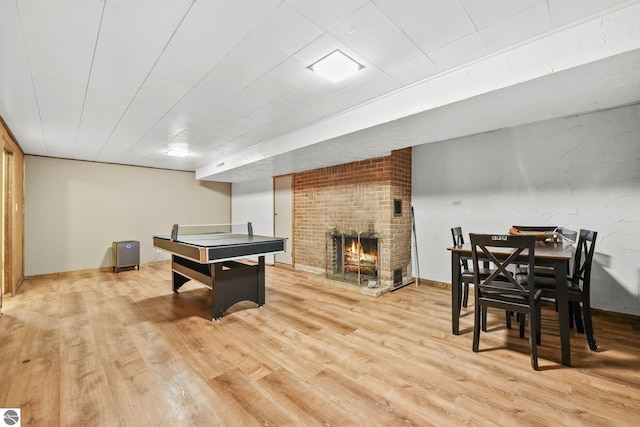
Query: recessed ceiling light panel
<point x="336" y="66"/>
<point x="178" y="149"/>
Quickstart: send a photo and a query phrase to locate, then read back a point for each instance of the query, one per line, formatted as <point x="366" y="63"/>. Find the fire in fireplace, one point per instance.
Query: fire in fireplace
<point x="353" y="256"/>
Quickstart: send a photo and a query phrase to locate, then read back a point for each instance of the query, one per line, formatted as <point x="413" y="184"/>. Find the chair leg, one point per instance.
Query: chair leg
<point x="522" y="318"/>
<point x="578" y="317"/>
<point x="533" y="336"/>
<point x="539" y="327"/>
<point x="588" y="325"/>
<point x="465" y="297"/>
<point x="476" y="326"/>
<point x="484" y="319"/>
<point x="507" y="315"/>
<point x="570" y="315"/>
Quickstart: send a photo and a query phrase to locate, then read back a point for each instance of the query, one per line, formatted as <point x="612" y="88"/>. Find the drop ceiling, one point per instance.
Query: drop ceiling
<point x="118" y="81"/>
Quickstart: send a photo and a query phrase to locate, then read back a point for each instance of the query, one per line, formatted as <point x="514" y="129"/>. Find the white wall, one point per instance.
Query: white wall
<point x="74" y="210"/>
<point x="577" y="172"/>
<point x="253" y="202"/>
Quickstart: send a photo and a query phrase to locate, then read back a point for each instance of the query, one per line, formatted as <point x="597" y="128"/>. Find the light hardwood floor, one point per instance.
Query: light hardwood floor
<point x="122" y="349"/>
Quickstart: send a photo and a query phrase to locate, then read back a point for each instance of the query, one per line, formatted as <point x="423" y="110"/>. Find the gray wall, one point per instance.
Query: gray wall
<point x="576" y="172"/>
<point x="74" y="210"/>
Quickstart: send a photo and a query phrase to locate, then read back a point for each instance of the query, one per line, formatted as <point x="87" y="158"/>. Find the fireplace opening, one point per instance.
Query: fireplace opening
<point x="353" y="257"/>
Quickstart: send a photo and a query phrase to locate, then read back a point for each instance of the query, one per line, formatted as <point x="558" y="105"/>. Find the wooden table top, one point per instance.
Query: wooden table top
<point x="544" y="250"/>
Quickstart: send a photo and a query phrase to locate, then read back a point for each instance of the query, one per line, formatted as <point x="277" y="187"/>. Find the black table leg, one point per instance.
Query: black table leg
<point x="178" y="281"/>
<point x="456" y="295"/>
<point x="261" y="281"/>
<point x="560" y="268"/>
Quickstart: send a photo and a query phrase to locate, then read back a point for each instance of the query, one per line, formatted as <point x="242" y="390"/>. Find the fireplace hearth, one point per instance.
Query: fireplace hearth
<point x="352" y="256"/>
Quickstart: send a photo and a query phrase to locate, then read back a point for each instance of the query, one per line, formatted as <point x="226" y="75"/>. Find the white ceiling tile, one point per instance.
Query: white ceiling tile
<point x="49" y="31"/>
<point x="520" y="27"/>
<point x="267" y="114"/>
<point x="488" y="12"/>
<point x="457" y="53"/>
<point x="163" y="94"/>
<point x="177" y="124"/>
<point x="89" y="142"/>
<point x="198" y="102"/>
<point x="287" y="29"/>
<point x="147" y="110"/>
<point x="248" y="13"/>
<point x="395" y="49"/>
<point x="263" y="91"/>
<point x="406" y="13"/>
<point x="173" y="78"/>
<point x="365" y="29"/>
<point x="327" y="13"/>
<point x="132" y="58"/>
<point x="185" y="59"/>
<point x="11" y="39"/>
<point x="165" y="13"/>
<point x="192" y="138"/>
<point x="210" y="31"/>
<point x="567" y="11"/>
<point x="134" y="34"/>
<point x="172" y="124"/>
<point x="120" y="79"/>
<point x="300" y="98"/>
<point x="63" y="71"/>
<point x="74" y="12"/>
<point x="443" y="27"/>
<point x="377" y="85"/>
<point x="106" y="104"/>
<point x="250" y="60"/>
<point x="16" y="84"/>
<point x="414" y="70"/>
<point x="58" y="144"/>
<point x="232" y="110"/>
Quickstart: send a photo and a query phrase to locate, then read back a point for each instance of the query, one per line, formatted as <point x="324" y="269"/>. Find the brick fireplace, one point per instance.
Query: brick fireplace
<point x="371" y="197"/>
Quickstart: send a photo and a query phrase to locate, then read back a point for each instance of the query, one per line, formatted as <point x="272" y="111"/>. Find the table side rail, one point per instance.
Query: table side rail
<point x="185" y="250"/>
<point x="225" y="253"/>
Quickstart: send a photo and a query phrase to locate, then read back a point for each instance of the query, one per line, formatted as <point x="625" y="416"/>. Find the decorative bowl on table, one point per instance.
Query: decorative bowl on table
<point x="540" y="235"/>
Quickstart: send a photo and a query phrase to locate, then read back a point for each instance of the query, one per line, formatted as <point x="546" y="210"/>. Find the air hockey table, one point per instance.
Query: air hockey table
<point x="211" y="258"/>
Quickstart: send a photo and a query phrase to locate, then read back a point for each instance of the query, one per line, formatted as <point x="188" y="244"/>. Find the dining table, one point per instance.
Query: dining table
<point x="547" y="253"/>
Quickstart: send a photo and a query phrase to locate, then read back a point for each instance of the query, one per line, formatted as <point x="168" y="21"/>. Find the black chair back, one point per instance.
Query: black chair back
<point x="458" y="239"/>
<point x="482" y="248"/>
<point x="583" y="259"/>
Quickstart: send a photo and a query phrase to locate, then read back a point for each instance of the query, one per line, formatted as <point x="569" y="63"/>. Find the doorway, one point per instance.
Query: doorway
<point x="283" y="215"/>
<point x="7" y="222"/>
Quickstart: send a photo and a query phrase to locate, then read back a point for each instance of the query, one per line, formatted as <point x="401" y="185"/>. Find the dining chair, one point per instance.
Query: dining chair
<point x="579" y="286"/>
<point x="503" y="289"/>
<point x="466" y="273"/>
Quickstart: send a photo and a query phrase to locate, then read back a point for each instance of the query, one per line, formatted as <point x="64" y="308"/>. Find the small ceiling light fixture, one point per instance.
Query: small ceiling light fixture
<point x="178" y="149"/>
<point x="336" y="66"/>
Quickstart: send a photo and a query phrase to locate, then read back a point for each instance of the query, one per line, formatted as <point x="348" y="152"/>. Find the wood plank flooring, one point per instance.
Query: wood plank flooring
<point x="107" y="349"/>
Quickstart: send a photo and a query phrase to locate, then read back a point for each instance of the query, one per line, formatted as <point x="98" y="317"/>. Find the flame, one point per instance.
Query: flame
<point x="356" y="251"/>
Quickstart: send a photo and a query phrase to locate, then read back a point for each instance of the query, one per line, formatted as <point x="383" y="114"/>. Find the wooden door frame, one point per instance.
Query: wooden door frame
<point x="7" y="219"/>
